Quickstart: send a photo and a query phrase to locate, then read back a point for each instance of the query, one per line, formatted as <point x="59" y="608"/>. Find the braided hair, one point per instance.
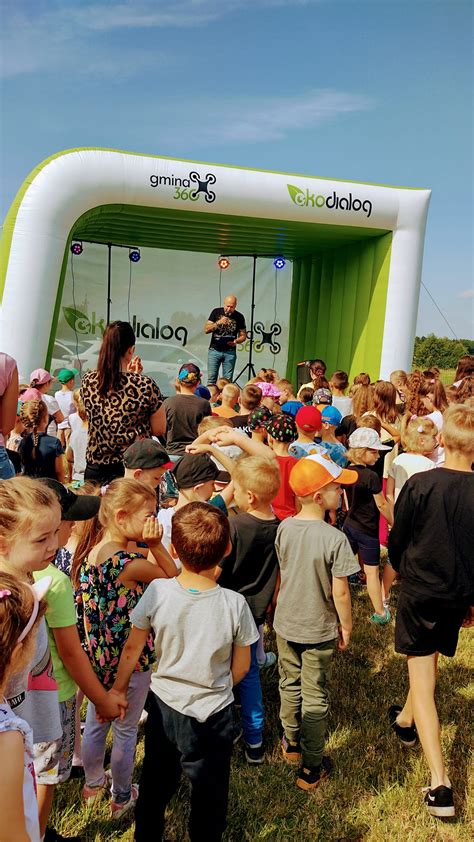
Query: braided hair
<point x="32" y="414"/>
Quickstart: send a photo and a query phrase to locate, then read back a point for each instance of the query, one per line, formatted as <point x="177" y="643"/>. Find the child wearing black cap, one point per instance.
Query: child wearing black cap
<point x="146" y="461"/>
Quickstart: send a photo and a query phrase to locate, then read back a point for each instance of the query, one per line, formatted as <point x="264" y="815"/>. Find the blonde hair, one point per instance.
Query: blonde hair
<point x="370" y="421"/>
<point x="221" y="382"/>
<point x="21" y="499"/>
<point x="416" y="433"/>
<point x="15" y="611"/>
<point x="285" y="385"/>
<point x="210" y="422"/>
<point x="78" y="403"/>
<point x="362" y="399"/>
<point x="356" y="455"/>
<point x="458" y="429"/>
<point x="400" y="376"/>
<point x="231" y="392"/>
<point x="32" y="414"/>
<point x="259" y="475"/>
<point x="122" y="494"/>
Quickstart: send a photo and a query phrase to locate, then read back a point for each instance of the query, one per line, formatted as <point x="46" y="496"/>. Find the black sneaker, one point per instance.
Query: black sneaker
<point x="407" y="736"/>
<point x="254" y="755"/>
<point x="309" y="778"/>
<point x="440" y="802"/>
<point x="52" y="835"/>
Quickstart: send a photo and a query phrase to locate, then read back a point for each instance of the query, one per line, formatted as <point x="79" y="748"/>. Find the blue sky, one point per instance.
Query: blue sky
<point x="370" y="90"/>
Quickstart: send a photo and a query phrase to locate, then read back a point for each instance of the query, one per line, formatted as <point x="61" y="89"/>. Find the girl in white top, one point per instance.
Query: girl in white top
<point x="419" y="441"/>
<point x="21" y="608"/>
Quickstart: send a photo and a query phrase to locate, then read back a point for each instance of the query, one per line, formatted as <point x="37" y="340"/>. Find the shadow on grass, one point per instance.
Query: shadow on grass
<point x="373" y="792"/>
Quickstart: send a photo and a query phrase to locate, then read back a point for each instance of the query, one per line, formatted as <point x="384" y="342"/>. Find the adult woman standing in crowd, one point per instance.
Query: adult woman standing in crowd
<point x="121" y="404"/>
<point x="8" y="408"/>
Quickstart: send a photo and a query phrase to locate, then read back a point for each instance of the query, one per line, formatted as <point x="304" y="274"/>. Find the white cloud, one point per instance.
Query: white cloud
<point x="258" y="119"/>
<point x="47" y="36"/>
<point x="467" y="293"/>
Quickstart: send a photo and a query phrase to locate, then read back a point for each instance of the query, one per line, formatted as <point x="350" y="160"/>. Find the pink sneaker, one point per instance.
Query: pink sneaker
<point x="91" y="794"/>
<point x="119" y="810"/>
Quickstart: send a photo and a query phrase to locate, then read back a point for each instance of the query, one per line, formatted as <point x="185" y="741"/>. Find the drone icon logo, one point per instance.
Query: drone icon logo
<point x="203" y="186"/>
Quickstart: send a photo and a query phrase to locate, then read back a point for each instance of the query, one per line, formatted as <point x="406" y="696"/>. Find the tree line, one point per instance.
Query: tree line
<point x="440" y="351"/>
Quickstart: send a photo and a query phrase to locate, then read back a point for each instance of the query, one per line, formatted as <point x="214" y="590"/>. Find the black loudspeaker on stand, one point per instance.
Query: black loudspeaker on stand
<point x="302" y="374"/>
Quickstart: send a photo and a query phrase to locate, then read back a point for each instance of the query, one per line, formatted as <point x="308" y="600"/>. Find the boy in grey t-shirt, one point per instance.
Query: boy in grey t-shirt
<point x="203" y="635"/>
<point x="315" y="560"/>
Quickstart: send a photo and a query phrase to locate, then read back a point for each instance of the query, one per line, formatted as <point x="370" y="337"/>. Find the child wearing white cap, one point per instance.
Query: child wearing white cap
<point x="366" y="503"/>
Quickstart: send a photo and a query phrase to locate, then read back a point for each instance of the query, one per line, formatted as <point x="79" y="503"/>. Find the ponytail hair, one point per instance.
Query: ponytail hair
<point x="122" y="494"/>
<point x="362" y="399"/>
<point x="118" y="338"/>
<point x="385" y="401"/>
<point x="417" y="388"/>
<point x="16" y="605"/>
<point x="32" y="413"/>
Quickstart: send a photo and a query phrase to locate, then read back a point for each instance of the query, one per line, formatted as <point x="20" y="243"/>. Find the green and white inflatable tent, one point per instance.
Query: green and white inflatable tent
<point x="350" y="288"/>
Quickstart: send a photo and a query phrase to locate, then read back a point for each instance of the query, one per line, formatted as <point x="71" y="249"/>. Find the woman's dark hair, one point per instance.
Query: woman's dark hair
<point x="317" y="365"/>
<point x="118" y="338"/>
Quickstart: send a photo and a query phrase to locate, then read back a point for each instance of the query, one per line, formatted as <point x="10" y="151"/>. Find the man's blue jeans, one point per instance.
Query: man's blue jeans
<point x="215" y="359"/>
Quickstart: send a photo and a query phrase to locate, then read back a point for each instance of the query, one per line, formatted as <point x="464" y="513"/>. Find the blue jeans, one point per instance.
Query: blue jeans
<point x="215" y="359"/>
<point x="7" y="471"/>
<point x="124" y="741"/>
<point x="250" y="692"/>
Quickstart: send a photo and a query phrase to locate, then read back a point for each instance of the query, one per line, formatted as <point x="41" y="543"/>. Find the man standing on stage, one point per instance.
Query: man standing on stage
<point x="227" y="327"/>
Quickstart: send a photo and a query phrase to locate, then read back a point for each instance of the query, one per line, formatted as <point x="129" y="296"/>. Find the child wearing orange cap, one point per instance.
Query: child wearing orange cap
<point x="313" y="612"/>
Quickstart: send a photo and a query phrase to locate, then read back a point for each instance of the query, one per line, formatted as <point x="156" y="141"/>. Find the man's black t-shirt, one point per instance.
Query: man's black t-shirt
<point x="363" y="513"/>
<point x="183" y="415"/>
<point x="225" y="333"/>
<point x="431" y="542"/>
<point x="252" y="566"/>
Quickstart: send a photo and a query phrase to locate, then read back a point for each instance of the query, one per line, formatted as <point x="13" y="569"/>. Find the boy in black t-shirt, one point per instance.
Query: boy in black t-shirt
<point x="251" y="568"/>
<point x="431" y="546"/>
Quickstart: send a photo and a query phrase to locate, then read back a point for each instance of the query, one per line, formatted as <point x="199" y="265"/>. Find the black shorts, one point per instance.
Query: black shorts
<point x="425" y="625"/>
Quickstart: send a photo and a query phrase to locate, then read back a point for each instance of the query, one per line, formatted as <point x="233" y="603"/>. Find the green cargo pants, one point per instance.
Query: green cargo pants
<point x="304" y="701"/>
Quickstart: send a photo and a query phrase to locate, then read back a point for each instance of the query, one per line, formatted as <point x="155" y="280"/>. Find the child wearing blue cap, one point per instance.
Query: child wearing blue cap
<point x="331" y="418"/>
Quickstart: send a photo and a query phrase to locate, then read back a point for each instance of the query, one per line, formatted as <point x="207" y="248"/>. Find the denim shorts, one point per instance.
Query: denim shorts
<point x="367" y="546"/>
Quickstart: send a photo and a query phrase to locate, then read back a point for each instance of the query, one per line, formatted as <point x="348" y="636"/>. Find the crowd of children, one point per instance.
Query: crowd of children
<point x="147" y="598"/>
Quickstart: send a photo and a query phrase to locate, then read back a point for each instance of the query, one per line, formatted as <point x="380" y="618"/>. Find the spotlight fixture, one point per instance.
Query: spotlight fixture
<point x="76" y="248"/>
<point x="134" y="255"/>
<point x="223" y="263"/>
<point x="279" y="263"/>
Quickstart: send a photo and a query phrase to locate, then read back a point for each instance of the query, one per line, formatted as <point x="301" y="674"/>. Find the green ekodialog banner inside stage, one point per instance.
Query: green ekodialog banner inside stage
<point x="167" y="296"/>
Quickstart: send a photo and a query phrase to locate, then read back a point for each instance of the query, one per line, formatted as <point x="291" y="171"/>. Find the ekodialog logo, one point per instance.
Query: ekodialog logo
<point x="305" y="199"/>
<point x="189" y="188"/>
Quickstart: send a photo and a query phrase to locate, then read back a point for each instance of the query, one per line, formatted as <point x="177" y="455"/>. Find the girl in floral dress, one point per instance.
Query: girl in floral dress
<point x="110" y="581"/>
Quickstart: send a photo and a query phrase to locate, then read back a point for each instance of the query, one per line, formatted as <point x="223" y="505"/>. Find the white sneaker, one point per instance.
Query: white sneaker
<point x="119" y="810"/>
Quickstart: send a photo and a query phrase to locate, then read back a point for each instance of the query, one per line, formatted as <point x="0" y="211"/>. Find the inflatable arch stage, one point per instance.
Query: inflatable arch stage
<point x="356" y="249"/>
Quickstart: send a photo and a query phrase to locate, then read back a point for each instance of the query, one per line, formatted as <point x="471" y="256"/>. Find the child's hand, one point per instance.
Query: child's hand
<point x="344" y="638"/>
<point x="135" y="366"/>
<point x="223" y="435"/>
<point x="152" y="532"/>
<point x="198" y="448"/>
<point x="114" y="707"/>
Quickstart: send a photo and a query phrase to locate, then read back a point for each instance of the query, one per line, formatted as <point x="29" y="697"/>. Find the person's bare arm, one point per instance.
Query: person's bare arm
<point x="225" y="460"/>
<point x="58" y="417"/>
<point x="79" y="668"/>
<point x="384" y="508"/>
<point x="342" y="600"/>
<point x="129" y="657"/>
<point x="59" y="469"/>
<point x="393" y="431"/>
<point x="240" y="663"/>
<point x="158" y="422"/>
<point x="242" y="336"/>
<point x="210" y="327"/>
<point x="8" y="405"/>
<point x="390" y="493"/>
<point x="70" y="462"/>
<point x="11" y="788"/>
<point x="227" y="435"/>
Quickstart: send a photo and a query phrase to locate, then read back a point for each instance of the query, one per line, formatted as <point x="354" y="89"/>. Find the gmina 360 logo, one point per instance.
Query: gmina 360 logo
<point x="189" y="188"/>
<point x="305" y="199"/>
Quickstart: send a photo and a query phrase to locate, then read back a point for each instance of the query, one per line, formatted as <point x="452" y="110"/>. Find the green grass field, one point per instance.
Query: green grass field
<point x="374" y="793"/>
